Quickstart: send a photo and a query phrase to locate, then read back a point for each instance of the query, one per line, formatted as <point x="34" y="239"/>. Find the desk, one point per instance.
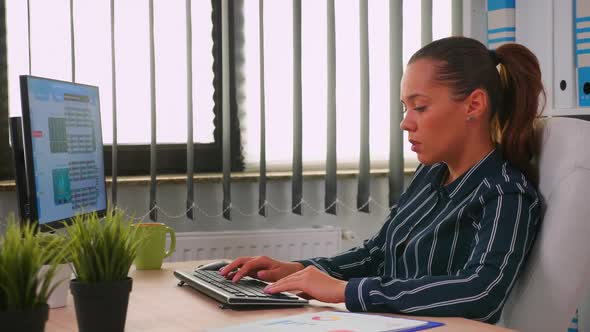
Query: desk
<point x="157" y="304"/>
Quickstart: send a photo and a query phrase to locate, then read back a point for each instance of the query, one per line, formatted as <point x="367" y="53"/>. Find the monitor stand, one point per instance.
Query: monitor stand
<point x="20" y="173"/>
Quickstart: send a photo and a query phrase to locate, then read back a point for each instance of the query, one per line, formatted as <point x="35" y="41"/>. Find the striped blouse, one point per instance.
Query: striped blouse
<point x="451" y="250"/>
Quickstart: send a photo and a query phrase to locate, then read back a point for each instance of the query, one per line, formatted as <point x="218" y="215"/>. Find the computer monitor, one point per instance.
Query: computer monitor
<point x="63" y="152"/>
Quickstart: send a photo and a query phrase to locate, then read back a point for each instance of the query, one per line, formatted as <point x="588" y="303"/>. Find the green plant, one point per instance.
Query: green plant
<point x="102" y="250"/>
<point x="22" y="287"/>
<point x="56" y="245"/>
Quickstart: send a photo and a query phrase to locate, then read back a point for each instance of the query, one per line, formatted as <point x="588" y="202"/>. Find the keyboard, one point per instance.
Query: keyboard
<point x="246" y="292"/>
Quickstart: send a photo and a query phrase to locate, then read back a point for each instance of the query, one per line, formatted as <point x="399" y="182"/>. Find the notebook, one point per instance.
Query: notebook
<point x="327" y="321"/>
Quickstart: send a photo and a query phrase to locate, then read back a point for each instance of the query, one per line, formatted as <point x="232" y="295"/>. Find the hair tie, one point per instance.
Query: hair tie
<point x="494" y="56"/>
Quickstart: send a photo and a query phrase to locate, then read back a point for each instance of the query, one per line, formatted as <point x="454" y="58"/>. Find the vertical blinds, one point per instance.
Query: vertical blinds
<point x="331" y="183"/>
<point x="297" y="180"/>
<point x="457" y="18"/>
<point x="396" y="144"/>
<point x="153" y="150"/>
<point x="29" y="34"/>
<point x="114" y="112"/>
<point x="331" y="108"/>
<point x="190" y="162"/>
<point x="364" y="189"/>
<point x="72" y="41"/>
<point x="262" y="162"/>
<point x="426" y="14"/>
<point x="226" y="140"/>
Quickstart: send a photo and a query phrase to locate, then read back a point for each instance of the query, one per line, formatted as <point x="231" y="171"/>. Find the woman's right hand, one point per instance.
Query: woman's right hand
<point x="260" y="267"/>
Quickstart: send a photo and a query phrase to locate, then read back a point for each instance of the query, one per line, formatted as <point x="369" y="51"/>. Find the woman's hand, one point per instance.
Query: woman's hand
<point x="260" y="267"/>
<point x="312" y="282"/>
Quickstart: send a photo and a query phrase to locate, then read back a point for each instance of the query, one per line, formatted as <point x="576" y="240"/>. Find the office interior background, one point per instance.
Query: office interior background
<point x="72" y="40"/>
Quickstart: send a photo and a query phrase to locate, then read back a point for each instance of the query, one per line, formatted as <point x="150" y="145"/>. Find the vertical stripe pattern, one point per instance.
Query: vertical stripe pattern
<point x="262" y="174"/>
<point x="396" y="144"/>
<point x="226" y="125"/>
<point x="114" y="114"/>
<point x="457" y="18"/>
<point x="190" y="159"/>
<point x="331" y="181"/>
<point x="426" y="15"/>
<point x="452" y="250"/>
<point x="153" y="149"/>
<point x="364" y="188"/>
<point x="72" y="42"/>
<point x="29" y="34"/>
<point x="297" y="180"/>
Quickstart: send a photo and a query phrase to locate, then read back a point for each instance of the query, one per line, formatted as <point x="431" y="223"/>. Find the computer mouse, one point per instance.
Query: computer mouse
<point x="213" y="266"/>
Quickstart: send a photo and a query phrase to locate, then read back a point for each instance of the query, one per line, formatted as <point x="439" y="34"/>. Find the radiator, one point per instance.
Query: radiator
<point x="283" y="244"/>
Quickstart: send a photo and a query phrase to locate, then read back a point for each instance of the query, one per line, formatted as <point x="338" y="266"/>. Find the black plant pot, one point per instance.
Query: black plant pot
<point x="27" y="320"/>
<point x="101" y="306"/>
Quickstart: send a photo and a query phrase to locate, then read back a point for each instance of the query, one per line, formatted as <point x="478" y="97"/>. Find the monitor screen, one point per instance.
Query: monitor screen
<point x="63" y="150"/>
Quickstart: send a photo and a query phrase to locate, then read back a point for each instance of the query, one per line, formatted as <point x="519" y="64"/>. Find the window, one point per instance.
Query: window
<point x="51" y="56"/>
<point x="278" y="42"/>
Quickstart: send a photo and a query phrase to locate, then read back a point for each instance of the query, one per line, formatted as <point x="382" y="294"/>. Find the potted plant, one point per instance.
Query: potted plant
<point x="102" y="251"/>
<point x="23" y="290"/>
<point x="57" y="245"/>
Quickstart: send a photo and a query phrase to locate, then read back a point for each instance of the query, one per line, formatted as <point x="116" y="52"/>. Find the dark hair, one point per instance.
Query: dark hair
<point x="465" y="64"/>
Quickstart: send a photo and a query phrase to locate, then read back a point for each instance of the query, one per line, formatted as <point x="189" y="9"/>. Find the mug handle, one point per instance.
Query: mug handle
<point x="172" y="241"/>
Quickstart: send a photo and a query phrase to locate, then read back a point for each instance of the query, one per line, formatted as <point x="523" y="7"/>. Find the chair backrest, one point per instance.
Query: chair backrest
<point x="557" y="274"/>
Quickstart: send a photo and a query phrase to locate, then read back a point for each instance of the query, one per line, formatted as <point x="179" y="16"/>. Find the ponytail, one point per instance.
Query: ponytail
<point x="513" y="123"/>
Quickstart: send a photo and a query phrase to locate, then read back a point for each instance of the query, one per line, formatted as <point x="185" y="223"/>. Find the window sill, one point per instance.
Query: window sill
<point x="247" y="176"/>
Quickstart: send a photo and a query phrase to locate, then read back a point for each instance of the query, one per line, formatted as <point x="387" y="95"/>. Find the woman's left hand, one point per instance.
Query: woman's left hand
<point x="314" y="283"/>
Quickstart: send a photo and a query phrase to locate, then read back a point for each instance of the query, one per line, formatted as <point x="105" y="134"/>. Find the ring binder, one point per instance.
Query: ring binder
<point x="501" y="23"/>
<point x="582" y="50"/>
<point x="564" y="83"/>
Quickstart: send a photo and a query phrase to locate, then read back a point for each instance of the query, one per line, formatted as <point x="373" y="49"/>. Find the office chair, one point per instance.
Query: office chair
<point x="556" y="277"/>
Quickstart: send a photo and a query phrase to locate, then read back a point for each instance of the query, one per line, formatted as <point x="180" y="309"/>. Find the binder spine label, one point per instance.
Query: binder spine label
<point x="582" y="49"/>
<point x="584" y="86"/>
<point x="501" y="22"/>
<point x="564" y="67"/>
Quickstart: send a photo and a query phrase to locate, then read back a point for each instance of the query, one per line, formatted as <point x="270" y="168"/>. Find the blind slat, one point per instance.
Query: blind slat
<point x="153" y="156"/>
<point x="226" y="144"/>
<point x="262" y="176"/>
<point x="114" y="114"/>
<point x="297" y="181"/>
<point x="426" y="14"/>
<point x="29" y="33"/>
<point x="457" y="18"/>
<point x="72" y="41"/>
<point x="364" y="190"/>
<point x="396" y="146"/>
<point x="331" y="183"/>
<point x="190" y="197"/>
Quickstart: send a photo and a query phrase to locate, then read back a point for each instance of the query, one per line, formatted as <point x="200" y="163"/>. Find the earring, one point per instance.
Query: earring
<point x="470" y="118"/>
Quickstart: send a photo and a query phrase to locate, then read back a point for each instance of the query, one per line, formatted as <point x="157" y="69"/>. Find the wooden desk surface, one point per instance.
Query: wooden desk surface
<point x="157" y="304"/>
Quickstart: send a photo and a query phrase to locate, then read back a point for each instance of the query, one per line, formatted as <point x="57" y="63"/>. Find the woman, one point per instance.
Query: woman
<point x="460" y="233"/>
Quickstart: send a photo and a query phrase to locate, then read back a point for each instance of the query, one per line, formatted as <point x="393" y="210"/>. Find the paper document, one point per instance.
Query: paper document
<point x="331" y="321"/>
